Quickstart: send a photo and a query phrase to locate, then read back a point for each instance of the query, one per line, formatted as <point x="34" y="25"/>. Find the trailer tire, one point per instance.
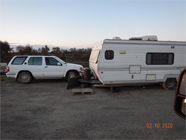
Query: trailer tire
<point x="169" y="83"/>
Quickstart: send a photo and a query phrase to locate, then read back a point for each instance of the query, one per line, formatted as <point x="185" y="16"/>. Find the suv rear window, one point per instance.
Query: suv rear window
<point x="19" y="60"/>
<point x="35" y="61"/>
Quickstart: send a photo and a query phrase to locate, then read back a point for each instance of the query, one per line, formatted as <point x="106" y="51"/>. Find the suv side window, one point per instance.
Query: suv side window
<point x="35" y="61"/>
<point x="18" y="60"/>
<point x="51" y="61"/>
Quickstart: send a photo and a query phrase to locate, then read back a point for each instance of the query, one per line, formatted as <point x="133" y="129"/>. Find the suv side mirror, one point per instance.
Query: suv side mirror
<point x="180" y="96"/>
<point x="59" y="64"/>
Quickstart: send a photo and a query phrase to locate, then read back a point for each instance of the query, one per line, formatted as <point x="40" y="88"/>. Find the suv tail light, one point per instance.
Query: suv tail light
<point x="7" y="69"/>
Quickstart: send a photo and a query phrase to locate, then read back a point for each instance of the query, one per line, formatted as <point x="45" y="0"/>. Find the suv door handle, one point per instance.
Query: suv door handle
<point x="46" y="66"/>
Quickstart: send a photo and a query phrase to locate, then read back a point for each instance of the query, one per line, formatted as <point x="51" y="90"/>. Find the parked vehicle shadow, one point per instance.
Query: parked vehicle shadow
<point x="49" y="81"/>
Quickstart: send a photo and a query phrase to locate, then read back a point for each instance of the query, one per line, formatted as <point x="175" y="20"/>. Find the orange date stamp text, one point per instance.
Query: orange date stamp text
<point x="159" y="125"/>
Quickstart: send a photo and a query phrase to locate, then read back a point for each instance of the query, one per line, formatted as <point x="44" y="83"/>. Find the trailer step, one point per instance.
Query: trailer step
<point x="82" y="90"/>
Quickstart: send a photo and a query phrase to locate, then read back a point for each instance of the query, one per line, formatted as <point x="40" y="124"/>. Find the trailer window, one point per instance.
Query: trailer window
<point x="109" y="54"/>
<point x="159" y="58"/>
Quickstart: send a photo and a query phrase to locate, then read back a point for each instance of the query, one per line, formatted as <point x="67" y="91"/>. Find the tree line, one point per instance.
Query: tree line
<point x="65" y="54"/>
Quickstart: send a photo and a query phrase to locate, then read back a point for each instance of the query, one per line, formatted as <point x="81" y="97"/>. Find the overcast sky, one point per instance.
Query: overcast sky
<point x="84" y="22"/>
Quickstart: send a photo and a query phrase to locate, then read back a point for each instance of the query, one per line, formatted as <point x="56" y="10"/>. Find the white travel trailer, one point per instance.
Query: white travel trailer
<point x="139" y="60"/>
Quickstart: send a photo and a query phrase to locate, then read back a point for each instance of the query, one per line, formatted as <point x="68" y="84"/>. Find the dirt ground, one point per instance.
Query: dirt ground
<point x="45" y="109"/>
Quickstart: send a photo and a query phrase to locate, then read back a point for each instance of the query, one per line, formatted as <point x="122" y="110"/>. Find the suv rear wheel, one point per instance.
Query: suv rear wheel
<point x="25" y="77"/>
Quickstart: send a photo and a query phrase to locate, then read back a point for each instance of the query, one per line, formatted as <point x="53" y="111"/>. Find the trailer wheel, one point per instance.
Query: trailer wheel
<point x="169" y="83"/>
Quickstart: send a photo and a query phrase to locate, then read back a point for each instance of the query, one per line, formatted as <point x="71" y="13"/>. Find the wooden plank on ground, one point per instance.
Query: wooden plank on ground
<point x="82" y="90"/>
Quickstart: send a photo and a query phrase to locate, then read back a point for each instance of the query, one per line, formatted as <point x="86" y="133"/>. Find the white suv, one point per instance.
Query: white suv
<point x="27" y="67"/>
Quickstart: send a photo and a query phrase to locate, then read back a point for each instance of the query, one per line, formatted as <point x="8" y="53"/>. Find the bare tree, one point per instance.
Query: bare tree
<point x="4" y="50"/>
<point x="45" y="50"/>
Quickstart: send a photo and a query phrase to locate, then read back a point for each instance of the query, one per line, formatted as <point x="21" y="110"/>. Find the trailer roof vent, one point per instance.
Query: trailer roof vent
<point x="135" y="38"/>
<point x="150" y="38"/>
<point x="145" y="38"/>
<point x="116" y="38"/>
